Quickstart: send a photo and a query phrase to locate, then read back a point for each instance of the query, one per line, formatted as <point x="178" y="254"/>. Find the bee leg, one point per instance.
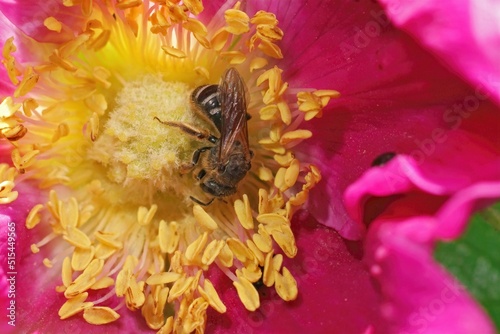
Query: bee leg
<point x="197" y="201"/>
<point x="191" y="130"/>
<point x="201" y="174"/>
<point x="185" y="168"/>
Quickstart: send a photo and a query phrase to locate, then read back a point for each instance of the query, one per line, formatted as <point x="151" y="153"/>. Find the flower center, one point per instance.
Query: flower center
<point x="123" y="154"/>
<point x="141" y="154"/>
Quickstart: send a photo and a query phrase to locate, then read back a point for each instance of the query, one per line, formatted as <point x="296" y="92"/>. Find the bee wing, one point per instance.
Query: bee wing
<point x="232" y="94"/>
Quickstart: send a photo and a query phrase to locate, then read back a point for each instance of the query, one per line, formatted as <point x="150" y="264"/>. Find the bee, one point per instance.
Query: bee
<point x="224" y="163"/>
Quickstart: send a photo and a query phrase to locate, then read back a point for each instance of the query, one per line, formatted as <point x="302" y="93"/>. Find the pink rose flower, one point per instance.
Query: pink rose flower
<point x="94" y="150"/>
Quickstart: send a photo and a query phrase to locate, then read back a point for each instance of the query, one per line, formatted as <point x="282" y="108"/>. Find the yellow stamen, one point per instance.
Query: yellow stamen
<point x="286" y="286"/>
<point x="99" y="315"/>
<point x="74" y="305"/>
<point x="247" y="293"/>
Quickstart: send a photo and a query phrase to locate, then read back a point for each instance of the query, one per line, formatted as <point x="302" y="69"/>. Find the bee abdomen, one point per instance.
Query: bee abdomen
<point x="207" y="98"/>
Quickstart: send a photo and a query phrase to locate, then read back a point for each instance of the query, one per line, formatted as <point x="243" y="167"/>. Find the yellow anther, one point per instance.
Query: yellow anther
<point x="296" y="135"/>
<point x="103" y="283"/>
<point x="62" y="130"/>
<point x="256" y="251"/>
<point x="100" y="41"/>
<point x="195" y="26"/>
<point x="247" y="293"/>
<point x="239" y="250"/>
<point x="219" y="39"/>
<point x="69" y="213"/>
<point x="100" y="315"/>
<point x="270" y="49"/>
<point x="194" y="250"/>
<point x="93" y="127"/>
<point x="30" y="78"/>
<point x="292" y="173"/>
<point x="210" y="294"/>
<point x="286" y="285"/>
<point x="269" y="112"/>
<point x="285" y="239"/>
<point x="194" y="6"/>
<point x="263" y="17"/>
<point x="34" y="248"/>
<point x="275" y="133"/>
<point x="277" y="262"/>
<point x="77" y="238"/>
<point x="168" y="328"/>
<point x="23" y="162"/>
<point x="257" y="63"/>
<point x="145" y="216"/>
<point x="276" y="87"/>
<point x="180" y="286"/>
<point x="272" y="220"/>
<point x="47" y="263"/>
<point x="285" y="113"/>
<point x="171" y="51"/>
<point x="134" y="295"/>
<point x="312" y="103"/>
<point x="124" y="4"/>
<point x="202" y="72"/>
<point x="81" y="258"/>
<point x="29" y="105"/>
<point x="234" y="57"/>
<point x="9" y="61"/>
<point x="74" y="305"/>
<point x="251" y="272"/>
<point x="108" y="239"/>
<point x="226" y="256"/>
<point x="212" y="250"/>
<point x="263" y="201"/>
<point x="237" y="21"/>
<point x="299" y="198"/>
<point x="268" y="274"/>
<point x="168" y="235"/>
<point x="269" y="144"/>
<point x="8" y="108"/>
<point x="149" y="311"/>
<point x="270" y="32"/>
<point x="285" y="159"/>
<point x="244" y="212"/>
<point x="163" y="278"/>
<point x="14" y="133"/>
<point x="66" y="272"/>
<point x="265" y="174"/>
<point x="263" y="240"/>
<point x="81" y="284"/>
<point x="52" y="24"/>
<point x="97" y="103"/>
<point x="203" y="218"/>
<point x="312" y="178"/>
<point x="279" y="179"/>
<point x="195" y="316"/>
<point x="33" y="217"/>
<point x="86" y="6"/>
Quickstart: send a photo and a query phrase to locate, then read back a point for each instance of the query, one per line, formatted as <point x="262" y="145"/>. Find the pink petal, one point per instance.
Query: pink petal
<point x="464" y="34"/>
<point x="418" y="296"/>
<point x="409" y="207"/>
<point x="28" y="16"/>
<point x="335" y="292"/>
<point x="394" y="94"/>
<point x="458" y="162"/>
